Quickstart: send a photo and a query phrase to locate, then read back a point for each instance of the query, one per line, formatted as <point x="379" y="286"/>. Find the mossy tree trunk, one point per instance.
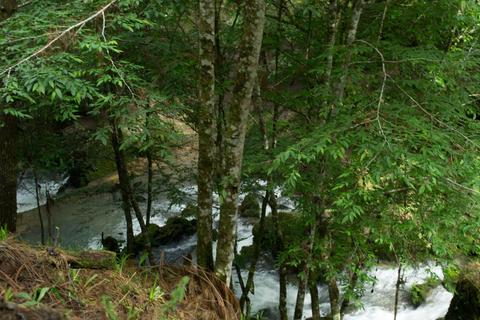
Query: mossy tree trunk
<point x="206" y="133"/>
<point x="249" y="52"/>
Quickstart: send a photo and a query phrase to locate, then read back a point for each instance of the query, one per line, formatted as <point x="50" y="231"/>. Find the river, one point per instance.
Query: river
<point x="82" y="219"/>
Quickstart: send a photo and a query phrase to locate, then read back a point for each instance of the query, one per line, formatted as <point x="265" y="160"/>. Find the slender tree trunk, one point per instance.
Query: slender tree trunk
<point x="351" y="286"/>
<point x="124" y="185"/>
<point x="37" y="197"/>
<point x="8" y="172"/>
<point x="149" y="187"/>
<point x="382" y="23"/>
<point x="312" y="284"/>
<point x="206" y="133"/>
<point x="237" y="117"/>
<point x="334" y="295"/>
<point x="300" y="298"/>
<point x="397" y="291"/>
<point x="257" y="247"/>
<point x="148" y="214"/>
<point x="48" y="206"/>
<point x="351" y="37"/>
<point x="335" y="18"/>
<point x="304" y="280"/>
<point x="279" y="247"/>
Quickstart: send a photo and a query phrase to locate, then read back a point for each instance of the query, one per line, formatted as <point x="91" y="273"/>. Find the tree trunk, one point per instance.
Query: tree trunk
<point x="206" y="133"/>
<point x="123" y="181"/>
<point x="257" y="247"/>
<point x="300" y="297"/>
<point x="37" y="197"/>
<point x="8" y="172"/>
<point x="237" y="117"/>
<point x="149" y="187"/>
<point x="48" y="206"/>
<point x="8" y="152"/>
<point x="351" y="37"/>
<point x="315" y="300"/>
<point x="397" y="291"/>
<point x="335" y="18"/>
<point x="334" y="295"/>
<point x="125" y="185"/>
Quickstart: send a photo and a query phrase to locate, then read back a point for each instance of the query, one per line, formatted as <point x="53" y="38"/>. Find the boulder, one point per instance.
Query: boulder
<point x="190" y="211"/>
<point x="465" y="304"/>
<point x="249" y="207"/>
<point x="420" y="291"/>
<point x="174" y="230"/>
<point x="111" y="244"/>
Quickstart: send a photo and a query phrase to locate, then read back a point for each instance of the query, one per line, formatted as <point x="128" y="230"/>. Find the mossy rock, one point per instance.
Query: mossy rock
<point x="174" y="230"/>
<point x="465" y="304"/>
<point x="419" y="292"/>
<point x="190" y="211"/>
<point x="249" y="207"/>
<point x="139" y="240"/>
<point x="94" y="259"/>
<point x="110" y="244"/>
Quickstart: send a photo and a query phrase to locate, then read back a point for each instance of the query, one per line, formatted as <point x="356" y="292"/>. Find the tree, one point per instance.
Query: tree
<point x="8" y="152"/>
<point x="206" y="132"/>
<point x="236" y="127"/>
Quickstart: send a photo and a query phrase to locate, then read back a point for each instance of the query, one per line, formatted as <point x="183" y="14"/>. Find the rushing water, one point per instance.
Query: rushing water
<point x="82" y="222"/>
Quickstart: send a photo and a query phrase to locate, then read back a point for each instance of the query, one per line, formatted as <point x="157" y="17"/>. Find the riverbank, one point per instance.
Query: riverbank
<point x="50" y="283"/>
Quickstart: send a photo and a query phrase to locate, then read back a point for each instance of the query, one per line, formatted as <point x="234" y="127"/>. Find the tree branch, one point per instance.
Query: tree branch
<point x="54" y="40"/>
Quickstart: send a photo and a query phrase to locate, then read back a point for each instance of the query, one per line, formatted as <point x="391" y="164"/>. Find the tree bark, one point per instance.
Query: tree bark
<point x="37" y="197"/>
<point x="123" y="181"/>
<point x="300" y="297"/>
<point x="334" y="295"/>
<point x="206" y="133"/>
<point x="335" y="18"/>
<point x="8" y="172"/>
<point x="351" y="37"/>
<point x="8" y="152"/>
<point x="237" y="117"/>
<point x="315" y="300"/>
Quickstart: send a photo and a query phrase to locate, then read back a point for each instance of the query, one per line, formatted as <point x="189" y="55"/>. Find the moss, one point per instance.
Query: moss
<point x="249" y="207"/>
<point x="465" y="304"/>
<point x="190" y="211"/>
<point x="419" y="292"/>
<point x="99" y="259"/>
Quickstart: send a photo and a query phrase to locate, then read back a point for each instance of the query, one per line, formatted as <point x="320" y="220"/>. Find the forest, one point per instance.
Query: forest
<point x="240" y="159"/>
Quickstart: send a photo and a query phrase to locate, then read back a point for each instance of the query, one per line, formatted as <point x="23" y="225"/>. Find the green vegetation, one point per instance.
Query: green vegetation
<point x="365" y="114"/>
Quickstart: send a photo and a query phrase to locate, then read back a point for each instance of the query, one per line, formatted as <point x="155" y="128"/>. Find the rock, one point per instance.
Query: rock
<point x="92" y="259"/>
<point x="190" y="211"/>
<point x="249" y="207"/>
<point x="139" y="240"/>
<point x="419" y="292"/>
<point x="174" y="230"/>
<point x="465" y="304"/>
<point x="111" y="244"/>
